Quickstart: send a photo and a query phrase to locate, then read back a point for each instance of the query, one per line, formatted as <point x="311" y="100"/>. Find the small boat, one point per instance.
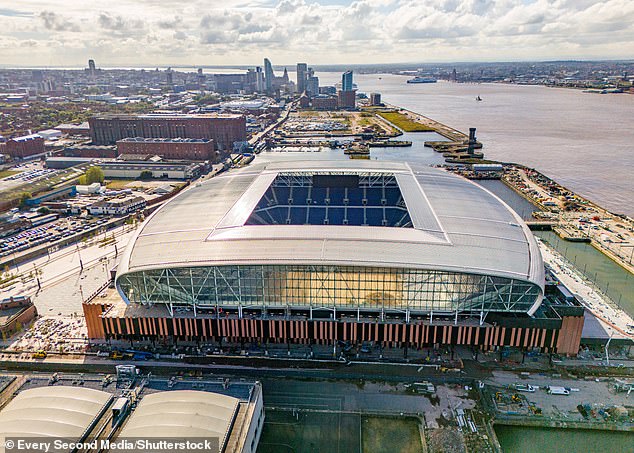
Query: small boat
<point x="478" y="98"/>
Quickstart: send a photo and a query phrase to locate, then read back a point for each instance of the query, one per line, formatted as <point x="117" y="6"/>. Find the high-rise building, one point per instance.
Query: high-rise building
<point x="346" y="81"/>
<point x="169" y="76"/>
<point x="91" y="65"/>
<point x="201" y="78"/>
<point x="346" y="100"/>
<point x="375" y="98"/>
<point x="259" y="79"/>
<point x="269" y="75"/>
<point x="255" y="80"/>
<point x="312" y="86"/>
<point x="37" y="76"/>
<point x="302" y="70"/>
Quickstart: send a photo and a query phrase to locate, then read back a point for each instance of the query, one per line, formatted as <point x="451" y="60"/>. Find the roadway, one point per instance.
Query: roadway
<point x="66" y="262"/>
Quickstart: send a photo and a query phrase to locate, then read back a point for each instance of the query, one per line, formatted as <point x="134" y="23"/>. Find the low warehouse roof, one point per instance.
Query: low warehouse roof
<point x="182" y="414"/>
<point x="59" y="411"/>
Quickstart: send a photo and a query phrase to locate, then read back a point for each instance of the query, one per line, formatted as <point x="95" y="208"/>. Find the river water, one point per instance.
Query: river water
<point x="584" y="141"/>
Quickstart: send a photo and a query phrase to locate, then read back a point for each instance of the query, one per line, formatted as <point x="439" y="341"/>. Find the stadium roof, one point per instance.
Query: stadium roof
<point x="182" y="414"/>
<point x="54" y="411"/>
<point x="458" y="227"/>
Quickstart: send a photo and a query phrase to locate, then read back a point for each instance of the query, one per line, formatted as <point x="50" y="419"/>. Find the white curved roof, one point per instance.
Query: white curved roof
<point x="53" y="411"/>
<point x="458" y="226"/>
<point x="182" y="414"/>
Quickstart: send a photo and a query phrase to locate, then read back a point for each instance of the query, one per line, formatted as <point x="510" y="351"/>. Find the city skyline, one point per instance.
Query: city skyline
<point x="330" y="31"/>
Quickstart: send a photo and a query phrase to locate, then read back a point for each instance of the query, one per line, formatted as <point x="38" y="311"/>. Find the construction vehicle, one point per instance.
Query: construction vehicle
<point x="107" y="380"/>
<point x="41" y="354"/>
<point x="116" y="355"/>
<point x="534" y="409"/>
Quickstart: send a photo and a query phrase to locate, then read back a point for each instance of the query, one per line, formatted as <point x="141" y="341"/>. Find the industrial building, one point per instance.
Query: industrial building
<point x="89" y="409"/>
<point x="117" y="206"/>
<point x="82" y="129"/>
<point x="223" y="129"/>
<point x="323" y="102"/>
<point x="170" y="148"/>
<point x="346" y="100"/>
<point x="25" y="146"/>
<point x="61" y="412"/>
<point x="15" y="312"/>
<point x="92" y="151"/>
<point x="190" y="414"/>
<point x="321" y="252"/>
<point x="158" y="169"/>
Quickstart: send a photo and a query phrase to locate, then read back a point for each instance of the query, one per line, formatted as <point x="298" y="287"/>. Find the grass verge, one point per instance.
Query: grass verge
<point x="403" y="122"/>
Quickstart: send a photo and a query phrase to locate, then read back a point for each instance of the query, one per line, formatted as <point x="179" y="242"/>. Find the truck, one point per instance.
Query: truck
<point x="424" y="387"/>
<point x="555" y="390"/>
<point x="524" y="388"/>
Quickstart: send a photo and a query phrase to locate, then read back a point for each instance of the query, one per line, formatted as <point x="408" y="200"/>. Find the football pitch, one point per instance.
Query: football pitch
<point x="319" y="432"/>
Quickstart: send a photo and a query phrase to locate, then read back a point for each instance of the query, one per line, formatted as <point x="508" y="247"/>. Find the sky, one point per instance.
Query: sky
<point x="67" y="33"/>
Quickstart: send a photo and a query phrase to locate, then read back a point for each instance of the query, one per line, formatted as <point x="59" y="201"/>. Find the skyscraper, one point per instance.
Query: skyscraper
<point x="200" y="77"/>
<point x="312" y="86"/>
<point x="346" y="81"/>
<point x="302" y="69"/>
<point x="269" y="75"/>
<point x="92" y="68"/>
<point x="169" y="76"/>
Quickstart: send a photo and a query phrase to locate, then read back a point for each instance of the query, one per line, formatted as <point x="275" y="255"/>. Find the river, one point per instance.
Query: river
<point x="584" y="141"/>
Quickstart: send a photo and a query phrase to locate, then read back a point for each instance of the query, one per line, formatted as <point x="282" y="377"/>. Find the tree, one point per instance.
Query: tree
<point x="145" y="175"/>
<point x="94" y="174"/>
<point x="24" y="196"/>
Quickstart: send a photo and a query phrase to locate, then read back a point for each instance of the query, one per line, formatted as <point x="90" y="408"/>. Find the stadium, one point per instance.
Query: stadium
<point x="323" y="252"/>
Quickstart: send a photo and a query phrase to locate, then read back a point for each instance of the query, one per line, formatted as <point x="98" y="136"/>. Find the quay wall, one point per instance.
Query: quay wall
<point x="546" y="422"/>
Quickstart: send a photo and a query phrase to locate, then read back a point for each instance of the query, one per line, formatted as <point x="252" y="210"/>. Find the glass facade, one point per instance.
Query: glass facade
<point x="340" y="287"/>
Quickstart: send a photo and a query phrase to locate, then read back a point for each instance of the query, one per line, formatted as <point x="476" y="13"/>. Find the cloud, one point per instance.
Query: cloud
<point x="119" y="24"/>
<point x="111" y="22"/>
<point x="321" y="31"/>
<point x="170" y="24"/>
<point x="55" y="22"/>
